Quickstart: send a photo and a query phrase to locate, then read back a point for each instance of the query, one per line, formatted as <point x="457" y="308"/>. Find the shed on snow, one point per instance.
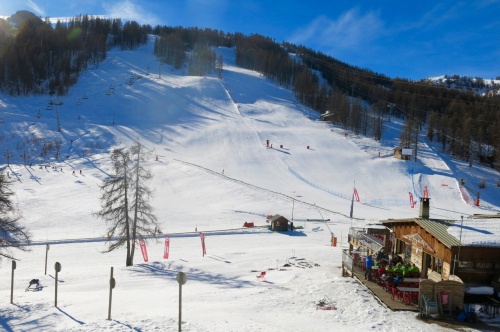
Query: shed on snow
<point x="401" y="153"/>
<point x="278" y="223"/>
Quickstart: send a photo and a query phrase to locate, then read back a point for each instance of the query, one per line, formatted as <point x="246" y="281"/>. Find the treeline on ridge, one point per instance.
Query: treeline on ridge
<point x="464" y="122"/>
<point x="38" y="57"/>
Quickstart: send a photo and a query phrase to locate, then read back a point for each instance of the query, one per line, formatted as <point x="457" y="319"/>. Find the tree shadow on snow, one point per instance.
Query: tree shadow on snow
<point x="160" y="270"/>
<point x="73" y="318"/>
<point x="127" y="325"/>
<point x="4" y="325"/>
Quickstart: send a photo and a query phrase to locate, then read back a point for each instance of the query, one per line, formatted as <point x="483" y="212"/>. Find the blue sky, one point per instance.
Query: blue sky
<point x="418" y="40"/>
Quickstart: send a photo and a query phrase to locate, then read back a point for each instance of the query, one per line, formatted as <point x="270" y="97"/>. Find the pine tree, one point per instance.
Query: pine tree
<point x="12" y="235"/>
<point x="114" y="203"/>
<point x="125" y="201"/>
<point x="144" y="221"/>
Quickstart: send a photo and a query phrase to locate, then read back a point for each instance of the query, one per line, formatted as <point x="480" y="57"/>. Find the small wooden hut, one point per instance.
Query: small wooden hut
<point x="398" y="153"/>
<point x="278" y="223"/>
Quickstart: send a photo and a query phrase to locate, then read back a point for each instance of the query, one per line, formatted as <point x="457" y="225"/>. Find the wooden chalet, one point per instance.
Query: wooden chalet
<point x="437" y="248"/>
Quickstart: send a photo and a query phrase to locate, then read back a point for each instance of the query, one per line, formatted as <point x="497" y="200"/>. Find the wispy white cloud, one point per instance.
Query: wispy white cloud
<point x="430" y="20"/>
<point x="36" y="8"/>
<point x="349" y="31"/>
<point x="130" y="10"/>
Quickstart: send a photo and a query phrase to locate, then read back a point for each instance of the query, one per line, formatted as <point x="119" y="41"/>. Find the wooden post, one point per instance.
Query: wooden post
<point x="46" y="256"/>
<point x="57" y="267"/>
<point x="181" y="279"/>
<point x="12" y="283"/>
<point x="112" y="284"/>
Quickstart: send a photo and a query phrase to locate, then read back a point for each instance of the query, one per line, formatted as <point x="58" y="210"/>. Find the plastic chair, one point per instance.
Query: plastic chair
<point x="428" y="307"/>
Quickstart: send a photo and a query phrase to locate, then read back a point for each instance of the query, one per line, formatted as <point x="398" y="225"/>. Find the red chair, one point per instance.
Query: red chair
<point x="414" y="297"/>
<point x="410" y="297"/>
<point x="407" y="298"/>
<point x="395" y="293"/>
<point x="382" y="283"/>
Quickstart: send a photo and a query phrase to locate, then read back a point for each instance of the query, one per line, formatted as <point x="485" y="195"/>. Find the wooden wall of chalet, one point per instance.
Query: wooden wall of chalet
<point x="478" y="255"/>
<point x="441" y="251"/>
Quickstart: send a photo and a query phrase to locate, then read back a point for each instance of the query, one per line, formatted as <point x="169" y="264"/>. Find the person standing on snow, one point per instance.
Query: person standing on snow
<point x="368" y="265"/>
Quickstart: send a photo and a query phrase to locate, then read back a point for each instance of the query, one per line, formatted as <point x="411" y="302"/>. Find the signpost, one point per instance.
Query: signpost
<point x="112" y="284"/>
<point x="57" y="267"/>
<point x="181" y="279"/>
<point x="46" y="256"/>
<point x="12" y="283"/>
<point x="407" y="152"/>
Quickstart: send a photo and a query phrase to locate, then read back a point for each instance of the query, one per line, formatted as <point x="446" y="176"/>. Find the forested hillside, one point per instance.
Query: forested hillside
<point x="37" y="57"/>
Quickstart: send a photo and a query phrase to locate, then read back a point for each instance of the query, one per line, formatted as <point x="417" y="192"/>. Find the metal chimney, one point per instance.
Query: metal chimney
<point x="424" y="208"/>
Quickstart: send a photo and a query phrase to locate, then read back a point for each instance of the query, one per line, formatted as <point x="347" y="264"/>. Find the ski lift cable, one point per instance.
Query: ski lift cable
<point x="323" y="219"/>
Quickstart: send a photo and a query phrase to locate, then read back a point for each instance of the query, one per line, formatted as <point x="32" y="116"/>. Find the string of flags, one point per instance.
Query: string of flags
<point x="166" y="249"/>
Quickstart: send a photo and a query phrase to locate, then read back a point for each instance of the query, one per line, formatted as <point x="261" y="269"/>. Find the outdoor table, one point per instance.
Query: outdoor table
<point x="408" y="290"/>
<point x="407" y="282"/>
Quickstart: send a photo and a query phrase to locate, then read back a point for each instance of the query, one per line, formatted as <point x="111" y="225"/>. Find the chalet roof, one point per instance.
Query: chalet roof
<point x="436" y="227"/>
<point x="276" y="217"/>
<point x="477" y="230"/>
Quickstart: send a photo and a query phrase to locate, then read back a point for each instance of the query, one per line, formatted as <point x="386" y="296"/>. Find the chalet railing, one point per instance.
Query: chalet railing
<point x="347" y="263"/>
<point x="367" y="241"/>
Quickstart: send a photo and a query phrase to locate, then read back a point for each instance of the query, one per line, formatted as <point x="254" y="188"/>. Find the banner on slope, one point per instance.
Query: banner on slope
<point x="144" y="251"/>
<point x="412" y="201"/>
<point x="356" y="195"/>
<point x="167" y="247"/>
<point x="202" y="237"/>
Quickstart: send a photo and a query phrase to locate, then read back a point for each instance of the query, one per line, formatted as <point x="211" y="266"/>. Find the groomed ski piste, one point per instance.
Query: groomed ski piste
<point x="212" y="172"/>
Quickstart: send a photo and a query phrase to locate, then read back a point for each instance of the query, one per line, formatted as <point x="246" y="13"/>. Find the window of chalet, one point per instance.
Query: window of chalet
<point x="465" y="264"/>
<point x="437" y="265"/>
<point x="407" y="251"/>
<point x="399" y="247"/>
<point x="484" y="265"/>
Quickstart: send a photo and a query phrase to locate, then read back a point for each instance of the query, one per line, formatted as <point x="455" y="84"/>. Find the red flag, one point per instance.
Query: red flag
<point x="143" y="249"/>
<point x="412" y="202"/>
<point x="426" y="193"/>
<point x="356" y="195"/>
<point x="202" y="237"/>
<point x="167" y="247"/>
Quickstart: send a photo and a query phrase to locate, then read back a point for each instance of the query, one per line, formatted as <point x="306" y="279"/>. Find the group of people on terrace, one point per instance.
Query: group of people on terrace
<point x="388" y="270"/>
